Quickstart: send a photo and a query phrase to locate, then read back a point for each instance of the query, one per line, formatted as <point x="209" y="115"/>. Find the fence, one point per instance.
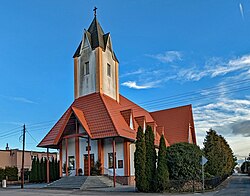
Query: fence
<point x="195" y="185"/>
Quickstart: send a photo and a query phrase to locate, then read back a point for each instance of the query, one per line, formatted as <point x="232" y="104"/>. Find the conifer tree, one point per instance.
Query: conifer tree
<point x="150" y="160"/>
<point x="57" y="169"/>
<point x="35" y="170"/>
<point x="38" y="170"/>
<point x="42" y="170"/>
<point x="52" y="169"/>
<point x="221" y="160"/>
<point x="32" y="172"/>
<point x="51" y="172"/>
<point x="162" y="175"/>
<point x="139" y="161"/>
<point x="45" y="169"/>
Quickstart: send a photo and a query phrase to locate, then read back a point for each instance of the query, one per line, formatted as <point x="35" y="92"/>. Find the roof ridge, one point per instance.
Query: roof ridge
<point x="174" y="108"/>
<point x="137" y="106"/>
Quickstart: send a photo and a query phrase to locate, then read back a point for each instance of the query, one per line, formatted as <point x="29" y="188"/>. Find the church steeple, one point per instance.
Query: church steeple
<point x="95" y="63"/>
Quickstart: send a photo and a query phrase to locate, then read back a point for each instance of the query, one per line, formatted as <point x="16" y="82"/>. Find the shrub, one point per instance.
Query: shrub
<point x="2" y="174"/>
<point x="11" y="173"/>
<point x="97" y="169"/>
<point x="183" y="161"/>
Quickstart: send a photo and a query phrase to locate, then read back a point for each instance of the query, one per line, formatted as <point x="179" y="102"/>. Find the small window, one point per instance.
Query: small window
<point x="120" y="163"/>
<point x="110" y="159"/>
<point x="109" y="70"/>
<point x="71" y="162"/>
<point x="86" y="68"/>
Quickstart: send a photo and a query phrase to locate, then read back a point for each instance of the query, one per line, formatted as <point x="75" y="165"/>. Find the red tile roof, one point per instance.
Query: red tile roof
<point x="102" y="117"/>
<point x="176" y="122"/>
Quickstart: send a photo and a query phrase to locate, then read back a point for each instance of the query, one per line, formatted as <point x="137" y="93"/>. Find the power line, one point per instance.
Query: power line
<point x="41" y="123"/>
<point x="198" y="91"/>
<point x="19" y="127"/>
<point x="32" y="137"/>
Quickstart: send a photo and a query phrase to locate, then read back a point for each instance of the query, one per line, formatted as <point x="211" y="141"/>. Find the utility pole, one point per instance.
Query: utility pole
<point x="22" y="170"/>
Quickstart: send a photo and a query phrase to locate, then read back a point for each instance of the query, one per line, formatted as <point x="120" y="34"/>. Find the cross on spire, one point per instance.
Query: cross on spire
<point x="95" y="8"/>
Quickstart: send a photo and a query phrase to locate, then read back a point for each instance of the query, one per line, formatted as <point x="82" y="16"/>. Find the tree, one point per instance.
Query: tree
<point x="38" y="170"/>
<point x="162" y="175"/>
<point x="183" y="160"/>
<point x="221" y="160"/>
<point x="56" y="169"/>
<point x="245" y="167"/>
<point x="139" y="161"/>
<point x="150" y="159"/>
<point x="52" y="169"/>
<point x="45" y="168"/>
<point x="32" y="171"/>
<point x="2" y="174"/>
<point x="42" y="170"/>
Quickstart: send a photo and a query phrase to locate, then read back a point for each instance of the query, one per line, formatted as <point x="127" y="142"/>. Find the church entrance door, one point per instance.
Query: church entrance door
<point x="92" y="162"/>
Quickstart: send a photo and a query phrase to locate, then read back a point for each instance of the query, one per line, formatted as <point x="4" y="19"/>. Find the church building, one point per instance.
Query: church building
<point x="101" y="123"/>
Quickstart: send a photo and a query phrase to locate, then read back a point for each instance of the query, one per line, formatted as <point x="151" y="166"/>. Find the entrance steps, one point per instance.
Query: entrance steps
<point x="69" y="182"/>
<point x="94" y="182"/>
<point x="82" y="182"/>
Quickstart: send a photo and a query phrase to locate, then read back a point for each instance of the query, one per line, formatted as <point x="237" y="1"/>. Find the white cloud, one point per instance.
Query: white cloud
<point x="18" y="99"/>
<point x="222" y="115"/>
<point x="213" y="69"/>
<point x="136" y="72"/>
<point x="133" y="84"/>
<point x="168" y="56"/>
<point x="241" y="11"/>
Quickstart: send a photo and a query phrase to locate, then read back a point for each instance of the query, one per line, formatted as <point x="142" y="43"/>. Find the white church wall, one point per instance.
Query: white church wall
<point x="63" y="153"/>
<point x="87" y="82"/>
<point x="82" y="151"/>
<point x="108" y="148"/>
<point x="132" y="151"/>
<point x="109" y="82"/>
<point x="71" y="152"/>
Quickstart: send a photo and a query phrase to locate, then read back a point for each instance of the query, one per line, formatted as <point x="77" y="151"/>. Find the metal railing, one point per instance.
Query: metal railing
<point x="109" y="173"/>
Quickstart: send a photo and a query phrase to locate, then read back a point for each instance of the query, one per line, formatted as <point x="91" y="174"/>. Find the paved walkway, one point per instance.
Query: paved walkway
<point x="234" y="186"/>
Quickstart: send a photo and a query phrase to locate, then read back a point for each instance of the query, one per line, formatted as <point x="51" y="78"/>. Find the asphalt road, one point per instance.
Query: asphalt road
<point x="234" y="186"/>
<point x="237" y="185"/>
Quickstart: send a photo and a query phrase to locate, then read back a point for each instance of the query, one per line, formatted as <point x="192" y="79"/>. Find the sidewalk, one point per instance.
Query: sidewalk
<point x="113" y="189"/>
<point x="28" y="186"/>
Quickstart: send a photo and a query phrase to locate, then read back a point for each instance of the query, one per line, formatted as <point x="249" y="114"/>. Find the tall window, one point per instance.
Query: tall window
<point x="110" y="159"/>
<point x="109" y="70"/>
<point x="86" y="68"/>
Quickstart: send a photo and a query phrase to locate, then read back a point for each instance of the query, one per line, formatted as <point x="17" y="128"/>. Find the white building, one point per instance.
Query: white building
<point x="101" y="122"/>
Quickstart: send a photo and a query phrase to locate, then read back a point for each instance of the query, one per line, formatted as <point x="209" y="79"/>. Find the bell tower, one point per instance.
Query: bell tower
<point x="95" y="64"/>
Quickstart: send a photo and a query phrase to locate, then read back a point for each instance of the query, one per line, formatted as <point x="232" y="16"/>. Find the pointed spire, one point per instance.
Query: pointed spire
<point x="97" y="33"/>
<point x="96" y="37"/>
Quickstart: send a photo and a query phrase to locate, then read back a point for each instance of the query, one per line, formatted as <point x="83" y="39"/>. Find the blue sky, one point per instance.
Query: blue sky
<point x="171" y="51"/>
